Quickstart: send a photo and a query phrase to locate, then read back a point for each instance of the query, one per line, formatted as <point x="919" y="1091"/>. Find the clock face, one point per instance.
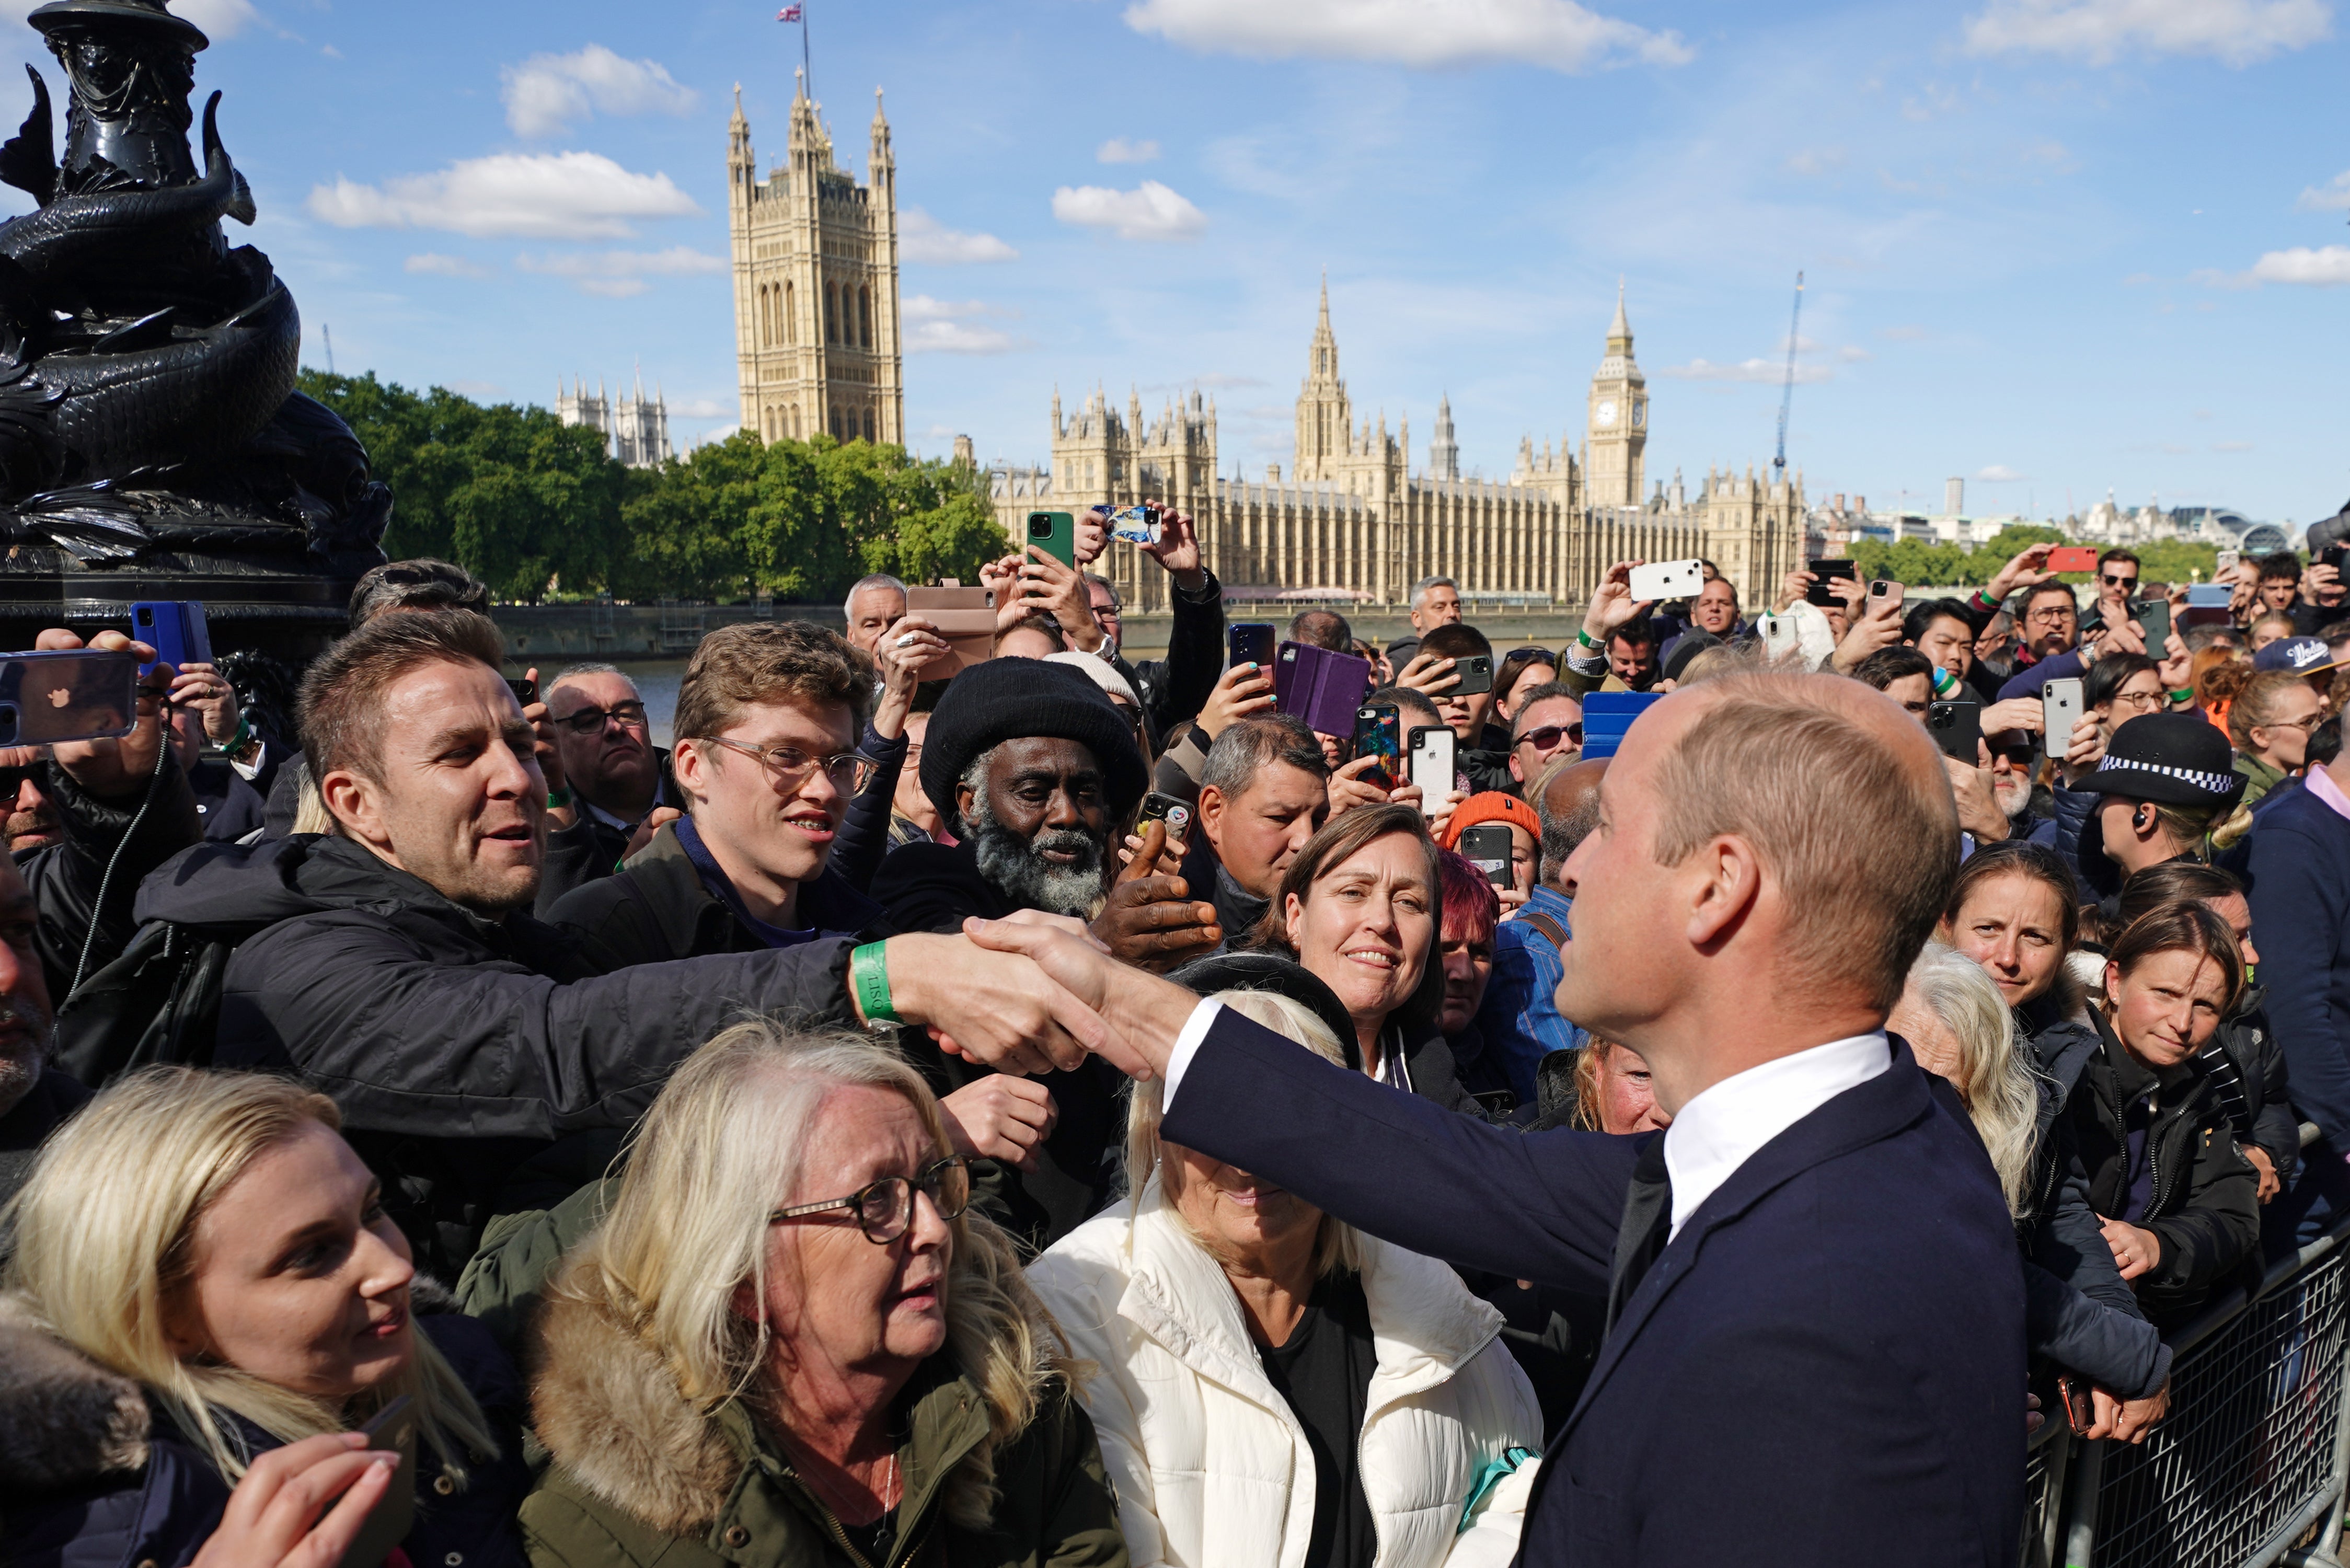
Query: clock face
<point x="1605" y="412"/>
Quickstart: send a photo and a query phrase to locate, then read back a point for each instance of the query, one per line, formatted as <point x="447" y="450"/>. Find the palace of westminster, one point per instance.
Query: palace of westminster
<point x="818" y="343"/>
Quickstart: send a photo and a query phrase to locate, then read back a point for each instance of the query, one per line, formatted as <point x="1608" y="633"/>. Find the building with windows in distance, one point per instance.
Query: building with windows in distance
<point x="1353" y="522"/>
<point x="815" y="283"/>
<point x="634" y="428"/>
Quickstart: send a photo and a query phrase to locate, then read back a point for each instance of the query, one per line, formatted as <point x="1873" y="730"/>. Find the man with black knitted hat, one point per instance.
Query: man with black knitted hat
<point x="2165" y="779"/>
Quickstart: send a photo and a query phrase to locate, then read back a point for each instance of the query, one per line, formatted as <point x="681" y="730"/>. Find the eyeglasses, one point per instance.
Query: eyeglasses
<point x="789" y="766"/>
<point x="2113" y="582"/>
<point x="2137" y="698"/>
<point x="11" y="782"/>
<point x="884" y="1208"/>
<point x="591" y="721"/>
<point x="1546" y="738"/>
<point x="2310" y="722"/>
<point x="2055" y="615"/>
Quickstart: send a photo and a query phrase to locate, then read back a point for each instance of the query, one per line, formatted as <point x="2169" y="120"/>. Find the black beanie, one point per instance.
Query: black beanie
<point x="1015" y="698"/>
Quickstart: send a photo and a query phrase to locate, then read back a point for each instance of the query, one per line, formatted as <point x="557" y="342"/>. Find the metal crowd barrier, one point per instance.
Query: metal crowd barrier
<point x="2247" y="1470"/>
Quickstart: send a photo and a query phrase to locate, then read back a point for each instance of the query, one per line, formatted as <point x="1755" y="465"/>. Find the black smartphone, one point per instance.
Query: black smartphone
<point x="2153" y="618"/>
<point x="1175" y="813"/>
<point x="393" y="1430"/>
<point x="2333" y="555"/>
<point x="1823" y="573"/>
<point x="1487" y="847"/>
<point x="1379" y="733"/>
<point x="1476" y="673"/>
<point x="1251" y="642"/>
<point x="1956" y="728"/>
<point x="525" y="691"/>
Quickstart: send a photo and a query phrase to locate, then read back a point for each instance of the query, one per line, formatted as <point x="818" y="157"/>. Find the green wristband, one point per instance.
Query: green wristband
<point x="556" y="799"/>
<point x="1584" y="638"/>
<point x="2184" y="694"/>
<point x="869" y="977"/>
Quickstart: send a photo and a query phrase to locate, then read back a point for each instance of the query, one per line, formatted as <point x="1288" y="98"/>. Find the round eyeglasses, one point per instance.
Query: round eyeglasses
<point x="789" y="766"/>
<point x="884" y="1208"/>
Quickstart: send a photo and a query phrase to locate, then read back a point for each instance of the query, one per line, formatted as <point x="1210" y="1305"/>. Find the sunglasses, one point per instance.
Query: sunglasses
<point x="2113" y="582"/>
<point x="1547" y="737"/>
<point x="11" y="782"/>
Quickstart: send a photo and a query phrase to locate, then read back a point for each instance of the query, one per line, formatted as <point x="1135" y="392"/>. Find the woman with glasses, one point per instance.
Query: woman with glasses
<point x="2269" y="720"/>
<point x="1276" y="1387"/>
<point x="790" y="1344"/>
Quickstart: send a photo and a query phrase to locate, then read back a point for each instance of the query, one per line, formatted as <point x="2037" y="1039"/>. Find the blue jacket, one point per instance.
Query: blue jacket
<point x="165" y="1511"/>
<point x="2296" y="861"/>
<point x="2028" y="681"/>
<point x="1824" y="1369"/>
<point x="1519" y="1018"/>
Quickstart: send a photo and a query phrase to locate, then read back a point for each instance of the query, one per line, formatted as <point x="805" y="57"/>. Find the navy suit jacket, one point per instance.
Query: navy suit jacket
<point x="1826" y="1366"/>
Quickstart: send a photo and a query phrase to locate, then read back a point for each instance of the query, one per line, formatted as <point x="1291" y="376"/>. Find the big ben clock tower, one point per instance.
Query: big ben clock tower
<point x="1618" y="428"/>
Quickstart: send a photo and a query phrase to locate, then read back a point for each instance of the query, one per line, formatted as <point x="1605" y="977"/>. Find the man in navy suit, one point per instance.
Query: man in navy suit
<point x="1815" y="1352"/>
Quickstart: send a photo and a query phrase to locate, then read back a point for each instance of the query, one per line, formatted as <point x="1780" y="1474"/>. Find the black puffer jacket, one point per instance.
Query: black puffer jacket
<point x="65" y="877"/>
<point x="2245" y="1068"/>
<point x="2203" y="1205"/>
<point x="459" y="1047"/>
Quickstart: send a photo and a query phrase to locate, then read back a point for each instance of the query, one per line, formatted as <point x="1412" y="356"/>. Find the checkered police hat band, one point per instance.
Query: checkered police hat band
<point x="2209" y="783"/>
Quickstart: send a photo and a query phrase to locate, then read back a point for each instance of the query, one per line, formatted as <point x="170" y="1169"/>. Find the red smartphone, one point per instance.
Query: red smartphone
<point x="2073" y="559"/>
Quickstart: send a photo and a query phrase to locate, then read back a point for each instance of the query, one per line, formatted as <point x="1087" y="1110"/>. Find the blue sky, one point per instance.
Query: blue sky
<point x="2052" y="247"/>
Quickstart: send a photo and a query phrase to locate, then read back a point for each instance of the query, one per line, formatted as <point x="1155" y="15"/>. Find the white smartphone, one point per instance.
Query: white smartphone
<point x="2225" y="561"/>
<point x="1430" y="765"/>
<point x="1668" y="580"/>
<point x="2060" y="709"/>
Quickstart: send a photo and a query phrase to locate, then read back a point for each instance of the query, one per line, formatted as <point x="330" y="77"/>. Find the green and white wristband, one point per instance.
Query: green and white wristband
<point x="868" y="979"/>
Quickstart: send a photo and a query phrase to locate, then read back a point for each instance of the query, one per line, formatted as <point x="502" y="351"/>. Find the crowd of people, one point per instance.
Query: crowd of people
<point x="1071" y="1111"/>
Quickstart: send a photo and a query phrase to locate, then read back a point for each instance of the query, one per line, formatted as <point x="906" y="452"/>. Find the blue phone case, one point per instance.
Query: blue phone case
<point x="175" y="629"/>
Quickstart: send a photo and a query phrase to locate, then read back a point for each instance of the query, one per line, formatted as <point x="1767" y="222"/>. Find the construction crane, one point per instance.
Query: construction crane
<point x="1787" y="393"/>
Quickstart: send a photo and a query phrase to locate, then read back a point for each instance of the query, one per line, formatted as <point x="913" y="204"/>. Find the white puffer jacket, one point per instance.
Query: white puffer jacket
<point x="1212" y="1467"/>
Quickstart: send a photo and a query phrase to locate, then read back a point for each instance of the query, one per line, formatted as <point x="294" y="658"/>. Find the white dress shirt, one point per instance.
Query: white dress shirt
<point x="1715" y="1133"/>
<point x="1719" y="1129"/>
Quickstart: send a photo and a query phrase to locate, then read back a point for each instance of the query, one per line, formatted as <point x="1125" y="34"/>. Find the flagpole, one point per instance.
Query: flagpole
<point x="806" y="69"/>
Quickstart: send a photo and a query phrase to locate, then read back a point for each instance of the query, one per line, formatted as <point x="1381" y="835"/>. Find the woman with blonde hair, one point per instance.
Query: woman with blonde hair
<point x="1275" y="1387"/>
<point x="204" y="1275"/>
<point x="791" y="1343"/>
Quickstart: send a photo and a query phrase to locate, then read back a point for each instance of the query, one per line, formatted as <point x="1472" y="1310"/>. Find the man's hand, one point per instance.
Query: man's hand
<point x="1178" y="548"/>
<point x="1878" y="624"/>
<point x="655" y="820"/>
<point x="1060" y="592"/>
<point x="1793" y="587"/>
<point x="1091" y="535"/>
<point x="112" y="769"/>
<point x="2262" y="1163"/>
<point x="2122" y="637"/>
<point x="1137" y="1014"/>
<point x="1349" y="788"/>
<point x="1612" y="604"/>
<point x="2027" y="569"/>
<point x="1000" y="1117"/>
<point x="1428" y="673"/>
<point x="1241" y="692"/>
<point x="270" y="1518"/>
<point x="550" y="761"/>
<point x="2177" y="666"/>
<point x="2015" y="713"/>
<point x="910" y="644"/>
<point x="2084" y="750"/>
<point x="1977" y="803"/>
<point x="2136" y="1248"/>
<point x="1150" y="919"/>
<point x="205" y="691"/>
<point x="1007" y="1013"/>
<point x="2126" y="1420"/>
<point x="2318" y="575"/>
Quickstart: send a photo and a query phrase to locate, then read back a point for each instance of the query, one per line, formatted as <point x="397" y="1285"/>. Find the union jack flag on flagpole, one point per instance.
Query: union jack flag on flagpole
<point x="795" y="12"/>
<point x="789" y="14"/>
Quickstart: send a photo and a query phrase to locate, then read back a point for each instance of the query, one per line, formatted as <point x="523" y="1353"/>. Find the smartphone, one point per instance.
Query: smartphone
<point x="2080" y="1410"/>
<point x="2226" y="561"/>
<point x="2153" y="618"/>
<point x="1251" y="642"/>
<point x="2333" y="555"/>
<point x="393" y="1430"/>
<point x="1487" y="847"/>
<point x="174" y="628"/>
<point x="1668" y="580"/>
<point x="1376" y="727"/>
<point x="1883" y="587"/>
<point x="1431" y="764"/>
<point x="2209" y="595"/>
<point x="2073" y="559"/>
<point x="1476" y="675"/>
<point x="1823" y="574"/>
<point x="1320" y="687"/>
<point x="1956" y="728"/>
<point x="77" y="695"/>
<point x="525" y="691"/>
<point x="2060" y="709"/>
<point x="1175" y="813"/>
<point x="1135" y="524"/>
<point x="1056" y="534"/>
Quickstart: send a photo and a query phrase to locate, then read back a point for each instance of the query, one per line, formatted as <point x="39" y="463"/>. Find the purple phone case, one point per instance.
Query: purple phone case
<point x="1324" y="688"/>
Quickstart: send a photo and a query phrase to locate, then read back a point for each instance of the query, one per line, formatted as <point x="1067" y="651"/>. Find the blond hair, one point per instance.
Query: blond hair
<point x="106" y="1251"/>
<point x="2001" y="1090"/>
<point x="1337" y="1246"/>
<point x="723" y="1147"/>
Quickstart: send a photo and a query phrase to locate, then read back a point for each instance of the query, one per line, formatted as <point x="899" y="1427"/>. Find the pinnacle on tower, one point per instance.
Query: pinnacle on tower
<point x="1619" y="331"/>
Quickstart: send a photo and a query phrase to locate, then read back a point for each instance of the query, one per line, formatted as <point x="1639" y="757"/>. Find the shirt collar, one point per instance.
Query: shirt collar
<point x="2319" y="781"/>
<point x="1725" y="1126"/>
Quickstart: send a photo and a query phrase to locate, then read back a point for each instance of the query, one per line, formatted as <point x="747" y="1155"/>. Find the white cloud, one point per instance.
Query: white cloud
<point x="617" y="274"/>
<point x="219" y="18"/>
<point x="522" y="195"/>
<point x="2325" y="266"/>
<point x="923" y="238"/>
<point x="1118" y="150"/>
<point x="2335" y="197"/>
<point x="1772" y="371"/>
<point x="439" y="265"/>
<point x="548" y="94"/>
<point x="704" y="409"/>
<point x="1427" y="33"/>
<point x="1999" y="473"/>
<point x="480" y="392"/>
<point x="2237" y="32"/>
<point x="1902" y="334"/>
<point x="1150" y="211"/>
<point x="1853" y="354"/>
<point x="946" y="327"/>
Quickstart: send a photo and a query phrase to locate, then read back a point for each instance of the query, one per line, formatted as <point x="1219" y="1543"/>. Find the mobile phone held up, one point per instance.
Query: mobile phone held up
<point x="1431" y="766"/>
<point x="1668" y="580"/>
<point x="1054" y="533"/>
<point x="2060" y="709"/>
<point x="1476" y="675"/>
<point x="1135" y="524"/>
<point x="1956" y="728"/>
<point x="174" y="628"/>
<point x="1823" y="576"/>
<point x="1175" y="813"/>
<point x="1251" y="642"/>
<point x="1378" y="733"/>
<point x="1487" y="847"/>
<point x="77" y="694"/>
<point x="2153" y="618"/>
<point x="392" y="1430"/>
<point x="525" y="691"/>
<point x="2073" y="559"/>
